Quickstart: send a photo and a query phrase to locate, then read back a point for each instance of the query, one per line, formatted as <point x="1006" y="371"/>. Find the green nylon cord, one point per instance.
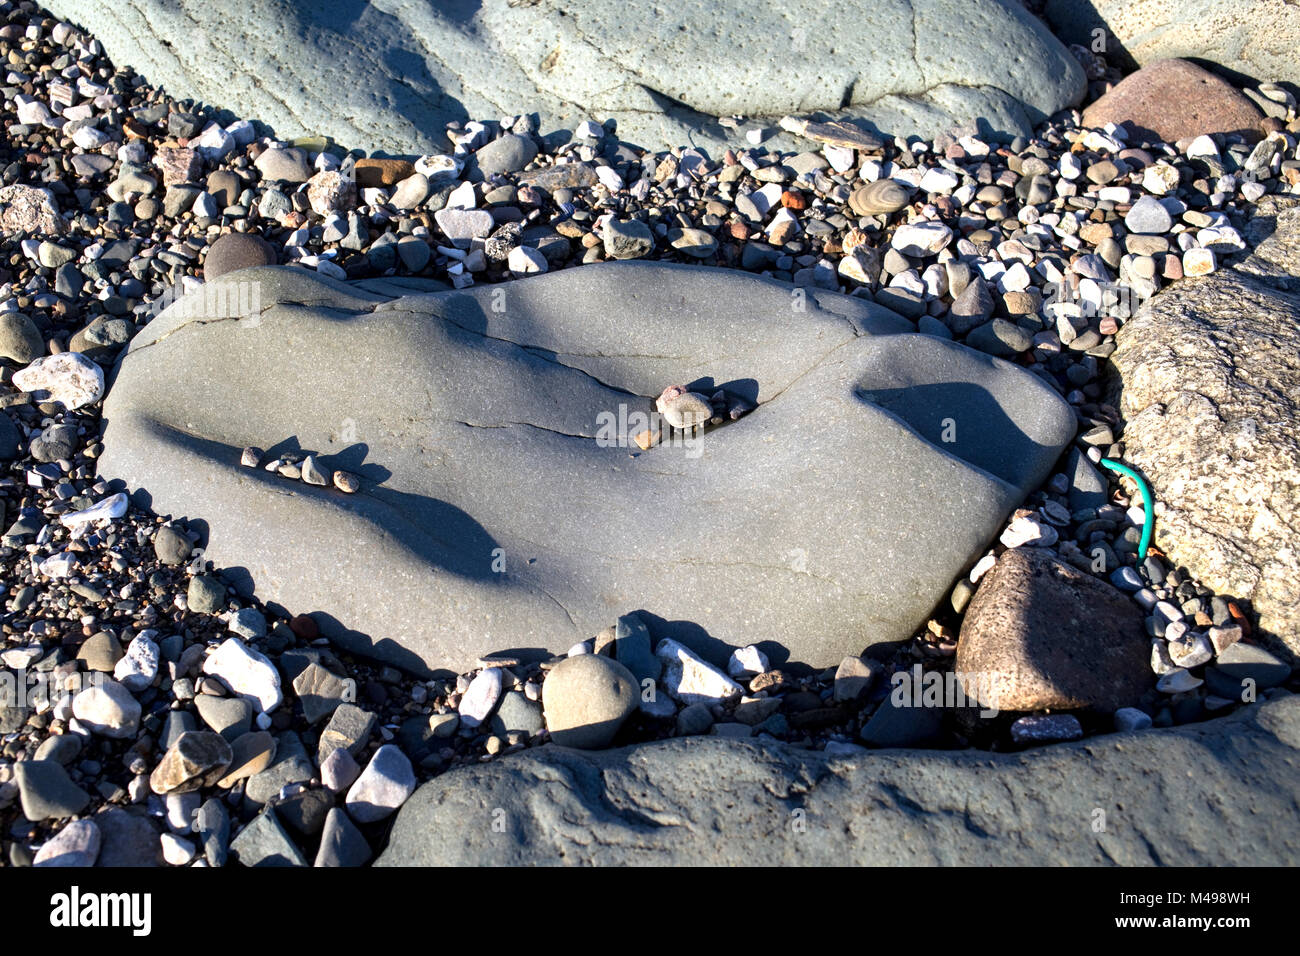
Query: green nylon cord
<point x="1145" y="490"/>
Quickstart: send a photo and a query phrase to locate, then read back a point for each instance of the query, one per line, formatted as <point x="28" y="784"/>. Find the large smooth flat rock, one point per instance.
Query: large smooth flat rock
<point x="498" y="511"/>
<point x="389" y="74"/>
<point x="1200" y="795"/>
<point x="1210" y="389"/>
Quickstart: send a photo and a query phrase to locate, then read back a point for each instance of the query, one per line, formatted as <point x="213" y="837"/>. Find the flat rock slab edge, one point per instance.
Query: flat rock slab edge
<point x="1225" y="792"/>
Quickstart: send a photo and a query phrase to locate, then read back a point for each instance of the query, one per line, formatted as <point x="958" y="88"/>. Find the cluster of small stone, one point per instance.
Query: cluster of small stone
<point x="134" y="681"/>
<point x="1095" y="529"/>
<point x="305" y="467"/>
<point x="621" y="686"/>
<point x="691" y="412"/>
<point x="1196" y="635"/>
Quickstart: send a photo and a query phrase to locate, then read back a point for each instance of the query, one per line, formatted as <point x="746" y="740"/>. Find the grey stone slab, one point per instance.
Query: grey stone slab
<point x="128" y="837"/>
<point x="292" y="765"/>
<point x="264" y="843"/>
<point x="390" y="75"/>
<point x="491" y="431"/>
<point x="1207" y="794"/>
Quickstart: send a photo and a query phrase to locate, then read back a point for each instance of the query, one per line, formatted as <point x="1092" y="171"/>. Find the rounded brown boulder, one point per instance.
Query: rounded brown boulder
<point x="1040" y="634"/>
<point x="1173" y="100"/>
<point x="237" y="250"/>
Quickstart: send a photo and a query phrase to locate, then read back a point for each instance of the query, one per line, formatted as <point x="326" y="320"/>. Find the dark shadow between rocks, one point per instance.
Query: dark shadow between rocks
<point x="959" y="417"/>
<point x="1077" y="21"/>
<point x="353" y="459"/>
<point x="986" y="131"/>
<point x="746" y="388"/>
<point x="1084" y="19"/>
<point x="712" y="649"/>
<point x="384" y="650"/>
<point x="688" y="633"/>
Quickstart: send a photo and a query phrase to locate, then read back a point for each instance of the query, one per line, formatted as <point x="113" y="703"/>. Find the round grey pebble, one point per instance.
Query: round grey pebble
<point x="694" y="720"/>
<point x="517" y="713"/>
<point x="1148" y="217"/>
<point x="171" y="546"/>
<point x="206" y="595"/>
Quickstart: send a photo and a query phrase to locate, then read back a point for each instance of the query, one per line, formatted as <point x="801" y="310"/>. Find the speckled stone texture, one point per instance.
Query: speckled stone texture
<point x="1042" y="635"/>
<point x="1209" y="378"/>
<point x="388" y="75"/>
<point x="1258" y="39"/>
<point x="1199" y="795"/>
<point x="502" y="508"/>
<point x="1173" y="100"/>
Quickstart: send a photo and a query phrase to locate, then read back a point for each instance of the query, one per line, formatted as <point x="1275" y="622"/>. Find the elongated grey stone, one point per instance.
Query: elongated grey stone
<point x="706" y="801"/>
<point x="492" y="432"/>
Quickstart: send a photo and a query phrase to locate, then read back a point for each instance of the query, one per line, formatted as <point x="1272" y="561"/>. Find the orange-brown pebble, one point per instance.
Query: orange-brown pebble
<point x="382" y="172"/>
<point x="1239" y="618"/>
<point x="793" y="199"/>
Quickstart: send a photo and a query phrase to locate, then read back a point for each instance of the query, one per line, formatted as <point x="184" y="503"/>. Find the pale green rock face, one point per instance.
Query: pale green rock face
<point x="389" y="75"/>
<point x="504" y="505"/>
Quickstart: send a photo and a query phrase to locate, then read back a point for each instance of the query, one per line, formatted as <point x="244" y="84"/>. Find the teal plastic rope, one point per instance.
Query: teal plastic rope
<point x="1149" y="511"/>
